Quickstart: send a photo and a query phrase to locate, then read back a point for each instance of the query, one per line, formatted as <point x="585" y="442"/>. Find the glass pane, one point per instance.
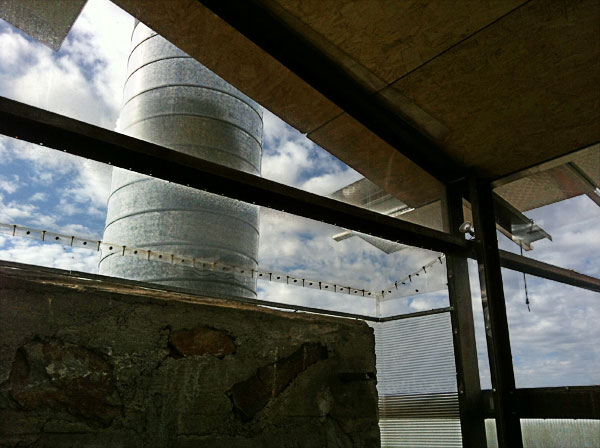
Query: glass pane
<point x="556" y="213"/>
<point x="480" y="340"/>
<point x="554" y="344"/>
<point x="139" y="84"/>
<point x="49" y="190"/>
<point x="84" y="79"/>
<point x="291" y="158"/>
<point x="58" y="204"/>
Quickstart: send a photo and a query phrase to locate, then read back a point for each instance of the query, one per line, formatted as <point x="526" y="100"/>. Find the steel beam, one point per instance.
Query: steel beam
<point x="544" y="270"/>
<point x="415" y="314"/>
<point x="259" y="24"/>
<point x="572" y="402"/>
<point x="508" y="426"/>
<point x="472" y="423"/>
<point x="39" y="126"/>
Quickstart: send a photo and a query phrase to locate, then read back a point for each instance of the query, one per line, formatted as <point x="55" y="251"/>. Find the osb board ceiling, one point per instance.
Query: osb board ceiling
<point x="391" y="38"/>
<point x="520" y="92"/>
<point x="502" y="85"/>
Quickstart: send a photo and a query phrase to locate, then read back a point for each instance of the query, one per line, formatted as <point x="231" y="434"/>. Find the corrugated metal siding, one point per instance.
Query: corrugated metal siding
<point x="416" y="376"/>
<point x="553" y="433"/>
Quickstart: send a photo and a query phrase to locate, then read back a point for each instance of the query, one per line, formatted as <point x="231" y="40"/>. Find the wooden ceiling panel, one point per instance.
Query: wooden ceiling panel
<point x="521" y="92"/>
<point x="391" y="38"/>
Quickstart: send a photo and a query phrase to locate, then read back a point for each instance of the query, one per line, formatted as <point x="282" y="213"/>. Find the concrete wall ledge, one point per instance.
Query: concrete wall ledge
<point x="90" y="361"/>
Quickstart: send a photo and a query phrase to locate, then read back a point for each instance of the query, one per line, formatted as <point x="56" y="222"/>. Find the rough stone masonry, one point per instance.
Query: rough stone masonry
<point x="91" y="362"/>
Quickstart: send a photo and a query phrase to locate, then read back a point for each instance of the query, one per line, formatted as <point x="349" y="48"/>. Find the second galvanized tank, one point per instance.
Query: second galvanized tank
<point x="172" y="100"/>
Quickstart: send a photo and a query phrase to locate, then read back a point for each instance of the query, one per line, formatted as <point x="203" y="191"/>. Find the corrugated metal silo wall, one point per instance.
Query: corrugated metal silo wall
<point x="172" y="100"/>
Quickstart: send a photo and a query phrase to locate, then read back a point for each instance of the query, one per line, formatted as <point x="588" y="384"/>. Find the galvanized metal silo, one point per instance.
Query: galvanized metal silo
<point x="172" y="100"/>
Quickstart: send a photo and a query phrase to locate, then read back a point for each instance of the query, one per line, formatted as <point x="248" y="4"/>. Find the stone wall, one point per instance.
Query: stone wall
<point x="87" y="362"/>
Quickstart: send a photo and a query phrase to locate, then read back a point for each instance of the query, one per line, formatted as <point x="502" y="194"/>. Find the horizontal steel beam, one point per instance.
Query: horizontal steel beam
<point x="39" y="126"/>
<point x="415" y="314"/>
<point x="259" y="24"/>
<point x="573" y="402"/>
<point x="548" y="271"/>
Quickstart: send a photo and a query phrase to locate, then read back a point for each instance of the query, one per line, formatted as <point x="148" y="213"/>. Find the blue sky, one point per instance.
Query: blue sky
<point x="554" y="344"/>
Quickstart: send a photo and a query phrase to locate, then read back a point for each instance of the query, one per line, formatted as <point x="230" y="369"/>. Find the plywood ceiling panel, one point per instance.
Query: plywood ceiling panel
<point x="523" y="91"/>
<point x="391" y="38"/>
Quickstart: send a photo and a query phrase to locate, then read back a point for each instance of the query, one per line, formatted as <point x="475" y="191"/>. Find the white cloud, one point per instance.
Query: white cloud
<point x="13" y="211"/>
<point x="330" y="182"/>
<point x="306" y="248"/>
<point x="69" y="82"/>
<point x="575" y="241"/>
<point x="39" y="197"/>
<point x="275" y="130"/>
<point x="280" y="293"/>
<point x="10" y="184"/>
<point x="50" y="255"/>
<point x="554" y="344"/>
<point x="286" y="163"/>
<point x="292" y="159"/>
<point x="88" y="181"/>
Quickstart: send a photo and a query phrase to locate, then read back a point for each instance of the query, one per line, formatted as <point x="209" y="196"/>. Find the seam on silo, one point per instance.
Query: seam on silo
<point x="142" y="245"/>
<point x="204" y="280"/>
<point x="187" y="114"/>
<point x="196" y="86"/>
<point x="166" y="58"/>
<point x="128" y="184"/>
<point x="138" y="44"/>
<point x="159" y="210"/>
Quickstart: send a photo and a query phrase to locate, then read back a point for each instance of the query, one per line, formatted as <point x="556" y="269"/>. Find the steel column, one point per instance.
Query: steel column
<point x="465" y="351"/>
<point x="508" y="425"/>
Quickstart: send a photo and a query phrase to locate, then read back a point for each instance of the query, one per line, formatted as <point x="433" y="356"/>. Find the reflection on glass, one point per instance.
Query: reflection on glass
<point x="85" y="80"/>
<point x="556" y="343"/>
<point x="559" y="207"/>
<point x="60" y="194"/>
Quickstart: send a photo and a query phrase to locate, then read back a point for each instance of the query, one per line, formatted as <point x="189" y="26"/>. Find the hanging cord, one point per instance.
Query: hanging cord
<point x="525" y="282"/>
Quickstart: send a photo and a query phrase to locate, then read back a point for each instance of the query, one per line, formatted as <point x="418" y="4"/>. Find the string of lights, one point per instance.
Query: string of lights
<point x="258" y="273"/>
